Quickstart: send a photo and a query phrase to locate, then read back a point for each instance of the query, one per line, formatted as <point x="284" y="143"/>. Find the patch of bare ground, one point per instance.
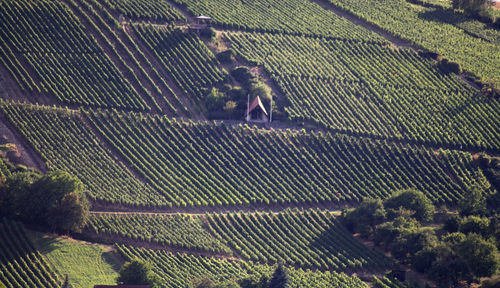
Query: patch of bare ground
<point x="23" y="152"/>
<point x="110" y="47"/>
<point x="164" y="74"/>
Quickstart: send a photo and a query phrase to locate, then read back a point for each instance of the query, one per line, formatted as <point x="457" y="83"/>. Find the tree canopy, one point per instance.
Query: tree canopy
<point x="137" y="272"/>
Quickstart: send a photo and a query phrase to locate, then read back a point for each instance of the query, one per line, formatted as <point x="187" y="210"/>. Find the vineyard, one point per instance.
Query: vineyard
<point x="182" y="231"/>
<point x="369" y="89"/>
<point x="20" y="264"/>
<point x="46" y="38"/>
<point x="303" y="239"/>
<point x="206" y="164"/>
<point x="307" y="239"/>
<point x="188" y="61"/>
<point x="297" y="17"/>
<point x="65" y="143"/>
<point x="364" y="104"/>
<point x="174" y="269"/>
<point x="145" y="9"/>
<point x="428" y="27"/>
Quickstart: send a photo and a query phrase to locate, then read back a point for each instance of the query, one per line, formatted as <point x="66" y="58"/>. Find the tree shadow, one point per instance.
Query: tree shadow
<point x="441" y="15"/>
<point x="340" y="246"/>
<point x="113" y="259"/>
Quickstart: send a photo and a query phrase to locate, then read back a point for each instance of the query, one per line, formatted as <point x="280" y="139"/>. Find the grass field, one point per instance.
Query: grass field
<point x="85" y="263"/>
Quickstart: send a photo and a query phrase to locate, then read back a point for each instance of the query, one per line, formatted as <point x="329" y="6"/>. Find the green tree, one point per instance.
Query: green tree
<point x="448" y="268"/>
<point x="15" y="194"/>
<point x="475" y="224"/>
<point x="137" y="272"/>
<point x="412" y="200"/>
<point x="58" y="200"/>
<point x="473" y="203"/>
<point x="254" y="282"/>
<point x="388" y="232"/>
<point x="363" y="219"/>
<point x="410" y="242"/>
<point x="480" y="256"/>
<point x="279" y="278"/>
<point x="69" y="213"/>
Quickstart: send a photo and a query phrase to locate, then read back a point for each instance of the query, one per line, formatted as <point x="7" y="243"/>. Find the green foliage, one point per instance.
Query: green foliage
<point x="473" y="203"/>
<point x="226" y="56"/>
<point x="205" y="174"/>
<point x="140" y="9"/>
<point x="137" y="272"/>
<point x="203" y="282"/>
<point x="449" y="66"/>
<point x="243" y="75"/>
<point x="410" y="242"/>
<point x="363" y="219"/>
<point x="81" y="155"/>
<point x="55" y="200"/>
<point x="448" y="268"/>
<point x="454" y="238"/>
<point x="188" y="61"/>
<point x="450" y="34"/>
<point x="475" y="224"/>
<point x="415" y="201"/>
<point x="471" y="7"/>
<point x="68" y="64"/>
<point x="480" y="256"/>
<point x="214" y="100"/>
<point x="452" y="224"/>
<point x="298" y="17"/>
<point x="280" y="278"/>
<point x="262" y="90"/>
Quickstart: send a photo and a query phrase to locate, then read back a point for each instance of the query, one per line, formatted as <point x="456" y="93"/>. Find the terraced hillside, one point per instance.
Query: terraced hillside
<point x="370" y="89"/>
<point x="117" y="93"/>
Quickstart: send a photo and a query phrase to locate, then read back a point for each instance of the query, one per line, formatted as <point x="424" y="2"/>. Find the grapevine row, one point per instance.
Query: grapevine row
<point x="145" y="9"/>
<point x="185" y="57"/>
<point x="178" y="270"/>
<point x="52" y="42"/>
<point x="373" y="90"/>
<point x="183" y="231"/>
<point x="297" y="17"/>
<point x="425" y="26"/>
<point x="65" y="143"/>
<point x="205" y="164"/>
<point x="20" y="264"/>
<point x="305" y="239"/>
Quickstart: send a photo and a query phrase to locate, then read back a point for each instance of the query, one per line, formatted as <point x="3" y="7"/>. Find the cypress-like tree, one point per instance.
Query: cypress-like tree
<point x="280" y="278"/>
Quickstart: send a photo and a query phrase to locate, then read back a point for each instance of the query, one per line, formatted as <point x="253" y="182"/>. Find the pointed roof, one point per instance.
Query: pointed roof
<point x="202" y="17"/>
<point x="256" y="103"/>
